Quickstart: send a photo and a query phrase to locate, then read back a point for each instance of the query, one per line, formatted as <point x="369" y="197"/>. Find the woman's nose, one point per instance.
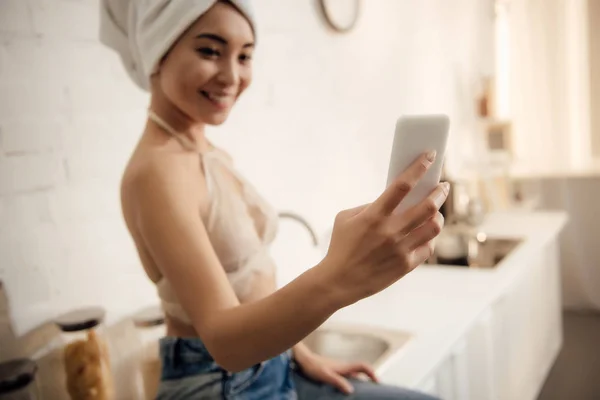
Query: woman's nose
<point x="229" y="74"/>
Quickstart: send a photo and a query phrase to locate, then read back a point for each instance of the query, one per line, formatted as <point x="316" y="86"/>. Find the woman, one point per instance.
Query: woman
<point x="202" y="231"/>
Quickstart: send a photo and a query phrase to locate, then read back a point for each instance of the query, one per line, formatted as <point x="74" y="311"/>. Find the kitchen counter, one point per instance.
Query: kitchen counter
<point x="439" y="304"/>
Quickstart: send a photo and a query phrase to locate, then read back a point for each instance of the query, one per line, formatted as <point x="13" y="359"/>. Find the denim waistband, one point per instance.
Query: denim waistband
<point x="189" y="371"/>
<point x="181" y="357"/>
<point x="191" y="349"/>
<point x="187" y="356"/>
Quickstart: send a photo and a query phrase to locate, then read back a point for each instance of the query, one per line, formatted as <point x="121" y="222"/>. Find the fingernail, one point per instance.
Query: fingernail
<point x="441" y="197"/>
<point x="431" y="155"/>
<point x="447" y="186"/>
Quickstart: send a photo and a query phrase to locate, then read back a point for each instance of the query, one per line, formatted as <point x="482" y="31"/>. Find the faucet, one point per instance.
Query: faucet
<point x="302" y="221"/>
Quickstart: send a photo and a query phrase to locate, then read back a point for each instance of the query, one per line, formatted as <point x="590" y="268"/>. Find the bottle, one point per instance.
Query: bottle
<point x="85" y="355"/>
<point x="18" y="380"/>
<point x="150" y="327"/>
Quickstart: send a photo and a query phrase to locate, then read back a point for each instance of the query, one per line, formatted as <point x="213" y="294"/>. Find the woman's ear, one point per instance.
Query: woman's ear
<point x="159" y="66"/>
<point x="155" y="80"/>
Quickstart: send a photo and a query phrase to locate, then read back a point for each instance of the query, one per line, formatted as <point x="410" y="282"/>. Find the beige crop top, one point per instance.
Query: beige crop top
<point x="240" y="228"/>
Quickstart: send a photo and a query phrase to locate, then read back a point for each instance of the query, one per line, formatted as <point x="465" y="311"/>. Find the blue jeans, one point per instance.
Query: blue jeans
<point x="189" y="372"/>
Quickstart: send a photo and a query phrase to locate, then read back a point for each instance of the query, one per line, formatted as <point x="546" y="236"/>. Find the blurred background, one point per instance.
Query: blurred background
<point x="520" y="80"/>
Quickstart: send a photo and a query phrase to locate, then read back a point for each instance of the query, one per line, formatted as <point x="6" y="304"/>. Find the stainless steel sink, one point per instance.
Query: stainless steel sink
<point x="481" y="251"/>
<point x="351" y="343"/>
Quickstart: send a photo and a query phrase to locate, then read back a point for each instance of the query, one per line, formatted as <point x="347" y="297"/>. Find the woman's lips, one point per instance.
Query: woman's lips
<point x="220" y="100"/>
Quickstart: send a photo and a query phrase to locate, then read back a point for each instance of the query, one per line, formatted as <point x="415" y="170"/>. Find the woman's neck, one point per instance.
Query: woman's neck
<point x="180" y="123"/>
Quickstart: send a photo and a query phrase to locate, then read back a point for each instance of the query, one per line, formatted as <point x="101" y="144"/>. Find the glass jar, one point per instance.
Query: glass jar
<point x="18" y="380"/>
<point x="85" y="355"/>
<point x="150" y="326"/>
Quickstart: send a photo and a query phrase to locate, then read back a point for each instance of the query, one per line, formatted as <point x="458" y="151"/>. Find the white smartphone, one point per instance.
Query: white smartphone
<point x="416" y="134"/>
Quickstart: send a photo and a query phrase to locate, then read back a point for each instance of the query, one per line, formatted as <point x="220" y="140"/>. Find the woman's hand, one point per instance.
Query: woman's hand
<point x="332" y="372"/>
<point x="372" y="247"/>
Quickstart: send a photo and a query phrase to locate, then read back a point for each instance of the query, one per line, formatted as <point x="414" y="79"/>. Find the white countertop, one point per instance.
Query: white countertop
<point x="438" y="304"/>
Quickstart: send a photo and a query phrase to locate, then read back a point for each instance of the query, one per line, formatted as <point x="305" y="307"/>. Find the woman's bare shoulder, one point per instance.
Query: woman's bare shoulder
<point x="152" y="171"/>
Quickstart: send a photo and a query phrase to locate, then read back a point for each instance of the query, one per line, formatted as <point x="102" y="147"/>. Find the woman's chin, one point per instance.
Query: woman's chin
<point x="216" y="118"/>
<point x="215" y="121"/>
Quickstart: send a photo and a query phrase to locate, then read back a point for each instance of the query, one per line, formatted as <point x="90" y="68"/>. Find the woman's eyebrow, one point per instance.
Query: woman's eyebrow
<point x="219" y="39"/>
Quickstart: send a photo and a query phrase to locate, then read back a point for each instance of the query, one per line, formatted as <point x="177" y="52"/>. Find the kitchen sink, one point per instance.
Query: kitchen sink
<point x="480" y="251"/>
<point x="354" y="342"/>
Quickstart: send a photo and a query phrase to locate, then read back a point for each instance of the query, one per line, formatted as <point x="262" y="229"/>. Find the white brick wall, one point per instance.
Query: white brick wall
<point x="40" y="135"/>
<point x="15" y="17"/>
<point x="68" y="19"/>
<point x="594" y="44"/>
<point x="30" y="173"/>
<point x="317" y="122"/>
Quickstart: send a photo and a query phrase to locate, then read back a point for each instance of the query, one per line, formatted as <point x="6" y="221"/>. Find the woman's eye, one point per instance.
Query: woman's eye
<point x="245" y="58"/>
<point x="208" y="52"/>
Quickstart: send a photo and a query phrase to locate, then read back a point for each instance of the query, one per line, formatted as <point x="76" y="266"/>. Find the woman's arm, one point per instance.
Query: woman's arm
<point x="237" y="336"/>
<point x="267" y="276"/>
<point x="370" y="249"/>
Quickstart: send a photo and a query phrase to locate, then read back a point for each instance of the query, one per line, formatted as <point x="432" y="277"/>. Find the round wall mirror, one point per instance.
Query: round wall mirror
<point x="341" y="15"/>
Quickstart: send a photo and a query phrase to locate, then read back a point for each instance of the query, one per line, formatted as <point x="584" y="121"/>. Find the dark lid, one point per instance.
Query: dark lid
<point x="80" y="319"/>
<point x="149" y="316"/>
<point x="16" y="374"/>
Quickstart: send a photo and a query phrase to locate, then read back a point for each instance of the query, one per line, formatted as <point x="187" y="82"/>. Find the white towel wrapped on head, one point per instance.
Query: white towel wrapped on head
<point x="142" y="31"/>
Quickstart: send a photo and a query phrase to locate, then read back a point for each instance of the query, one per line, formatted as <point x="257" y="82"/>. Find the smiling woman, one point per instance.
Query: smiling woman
<point x="215" y="47"/>
<point x="203" y="232"/>
<point x="206" y="70"/>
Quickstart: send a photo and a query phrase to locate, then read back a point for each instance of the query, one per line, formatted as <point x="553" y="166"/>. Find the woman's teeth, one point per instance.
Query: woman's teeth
<point x="216" y="98"/>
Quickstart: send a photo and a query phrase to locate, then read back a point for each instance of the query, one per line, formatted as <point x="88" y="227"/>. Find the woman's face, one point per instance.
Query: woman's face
<point x="210" y="65"/>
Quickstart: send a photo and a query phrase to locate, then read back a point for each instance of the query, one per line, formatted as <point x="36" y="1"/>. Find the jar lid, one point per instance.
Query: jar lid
<point x="16" y="374"/>
<point x="148" y="317"/>
<point x="80" y="319"/>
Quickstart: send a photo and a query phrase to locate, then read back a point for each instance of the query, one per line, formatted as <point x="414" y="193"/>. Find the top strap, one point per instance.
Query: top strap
<point x="187" y="144"/>
<point x="180" y="137"/>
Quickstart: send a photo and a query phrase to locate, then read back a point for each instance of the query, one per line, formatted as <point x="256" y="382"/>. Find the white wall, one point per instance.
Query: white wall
<point x="313" y="133"/>
<point x="550" y="84"/>
<point x="594" y="46"/>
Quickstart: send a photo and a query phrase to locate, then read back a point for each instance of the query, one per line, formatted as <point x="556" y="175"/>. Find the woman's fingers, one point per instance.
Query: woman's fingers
<point x="422" y="212"/>
<point x="335" y="379"/>
<point x="397" y="191"/>
<point x="422" y="253"/>
<point x="351" y="212"/>
<point x="424" y="234"/>
<point x="358" y="368"/>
